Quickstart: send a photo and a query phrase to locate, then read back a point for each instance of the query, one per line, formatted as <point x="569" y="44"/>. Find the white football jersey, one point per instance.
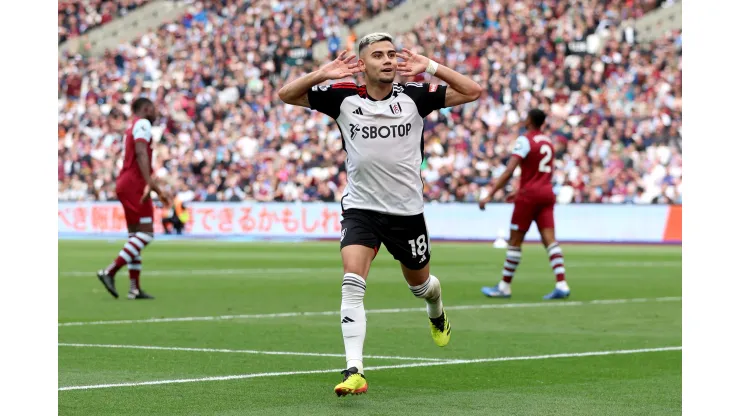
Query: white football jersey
<point x="383" y="140"/>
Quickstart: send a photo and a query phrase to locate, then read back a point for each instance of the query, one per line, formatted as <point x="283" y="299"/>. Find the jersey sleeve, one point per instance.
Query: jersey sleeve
<point x="427" y="97"/>
<point x="521" y="147"/>
<point x="142" y="130"/>
<point x="328" y="99"/>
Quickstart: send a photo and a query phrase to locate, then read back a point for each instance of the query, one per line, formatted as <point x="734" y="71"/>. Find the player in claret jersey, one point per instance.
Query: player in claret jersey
<point x="133" y="188"/>
<point x="534" y="201"/>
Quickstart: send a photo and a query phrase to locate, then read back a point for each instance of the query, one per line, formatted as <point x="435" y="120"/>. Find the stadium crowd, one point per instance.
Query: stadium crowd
<point x="76" y="17"/>
<point x="224" y="135"/>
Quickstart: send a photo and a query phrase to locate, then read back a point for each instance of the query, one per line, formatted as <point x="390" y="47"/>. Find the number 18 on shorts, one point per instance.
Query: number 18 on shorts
<point x="405" y="237"/>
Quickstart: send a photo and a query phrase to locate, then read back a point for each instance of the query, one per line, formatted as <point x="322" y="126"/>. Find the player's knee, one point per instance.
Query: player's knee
<point x="516" y="239"/>
<point x="147" y="228"/>
<point x="414" y="276"/>
<point x="357" y="267"/>
<point x="357" y="259"/>
<point x="548" y="237"/>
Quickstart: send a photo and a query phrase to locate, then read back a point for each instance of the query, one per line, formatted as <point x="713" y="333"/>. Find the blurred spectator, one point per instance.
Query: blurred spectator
<point x="224" y="135"/>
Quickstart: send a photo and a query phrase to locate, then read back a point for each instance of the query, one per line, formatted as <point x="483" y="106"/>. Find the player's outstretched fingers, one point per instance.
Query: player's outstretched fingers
<point x="349" y="59"/>
<point x="344" y="53"/>
<point x="406" y="54"/>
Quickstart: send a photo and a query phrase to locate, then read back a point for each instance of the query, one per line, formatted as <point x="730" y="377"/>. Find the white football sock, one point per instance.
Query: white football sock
<point x="513" y="258"/>
<point x="431" y="292"/>
<point x="354" y="323"/>
<point x="558" y="265"/>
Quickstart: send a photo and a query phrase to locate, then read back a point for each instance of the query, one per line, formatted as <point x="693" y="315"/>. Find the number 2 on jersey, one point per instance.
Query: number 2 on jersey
<point x="544" y="163"/>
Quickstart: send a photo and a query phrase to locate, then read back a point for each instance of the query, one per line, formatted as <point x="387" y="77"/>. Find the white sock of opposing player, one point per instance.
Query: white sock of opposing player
<point x="431" y="292"/>
<point x="354" y="323"/>
<point x="513" y="258"/>
<point x="558" y="266"/>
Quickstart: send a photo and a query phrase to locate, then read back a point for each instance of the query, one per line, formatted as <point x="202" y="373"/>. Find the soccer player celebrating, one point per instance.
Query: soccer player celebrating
<point x="133" y="188"/>
<point x="382" y="126"/>
<point x="534" y="201"/>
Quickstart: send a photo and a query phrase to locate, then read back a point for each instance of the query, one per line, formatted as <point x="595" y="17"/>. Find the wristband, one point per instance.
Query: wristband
<point x="432" y="67"/>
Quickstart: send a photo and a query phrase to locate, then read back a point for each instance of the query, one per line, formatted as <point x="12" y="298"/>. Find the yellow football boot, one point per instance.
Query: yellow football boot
<point x="354" y="383"/>
<point x="440" y="329"/>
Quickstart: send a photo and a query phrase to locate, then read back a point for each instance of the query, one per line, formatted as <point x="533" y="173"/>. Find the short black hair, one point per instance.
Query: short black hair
<point x="140" y="103"/>
<point x="537" y="117"/>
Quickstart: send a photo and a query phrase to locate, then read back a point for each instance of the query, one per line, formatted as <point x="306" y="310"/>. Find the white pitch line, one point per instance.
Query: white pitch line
<point x="289" y="270"/>
<point x="372" y="311"/>
<point x="376" y="368"/>
<point x="215" y="272"/>
<point x="257" y="352"/>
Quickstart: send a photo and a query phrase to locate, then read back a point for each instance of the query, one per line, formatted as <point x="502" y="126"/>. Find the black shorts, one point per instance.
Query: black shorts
<point x="405" y="237"/>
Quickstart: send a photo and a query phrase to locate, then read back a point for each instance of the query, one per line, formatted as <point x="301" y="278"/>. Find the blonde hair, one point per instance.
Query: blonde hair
<point x="371" y="38"/>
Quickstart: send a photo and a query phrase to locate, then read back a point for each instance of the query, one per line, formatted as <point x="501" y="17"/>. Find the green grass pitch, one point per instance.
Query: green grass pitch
<point x="268" y="314"/>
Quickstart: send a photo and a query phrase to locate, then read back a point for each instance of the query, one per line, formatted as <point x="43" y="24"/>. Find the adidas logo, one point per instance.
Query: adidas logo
<point x="358" y="111"/>
<point x="347" y="320"/>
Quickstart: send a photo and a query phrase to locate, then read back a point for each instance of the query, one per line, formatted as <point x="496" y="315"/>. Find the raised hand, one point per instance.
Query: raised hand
<point x="341" y="67"/>
<point x="413" y="64"/>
